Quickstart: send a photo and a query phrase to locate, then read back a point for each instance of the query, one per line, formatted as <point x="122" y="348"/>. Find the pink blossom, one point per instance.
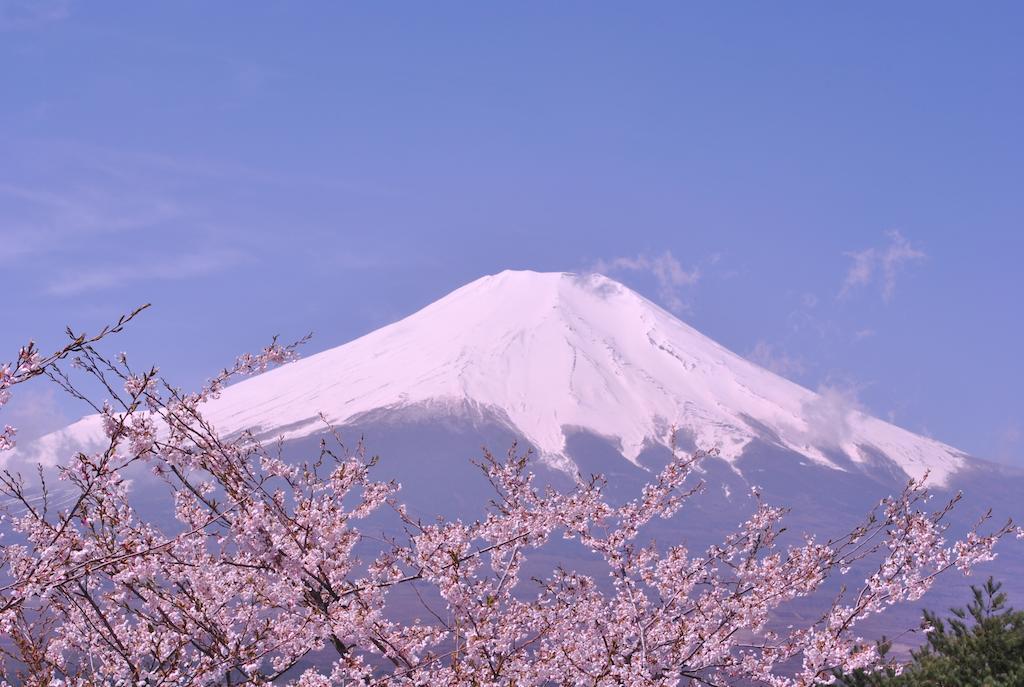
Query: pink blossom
<point x="260" y="570"/>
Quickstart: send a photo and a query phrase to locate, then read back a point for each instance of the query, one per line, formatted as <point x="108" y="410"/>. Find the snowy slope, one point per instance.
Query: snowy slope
<point x="543" y="352"/>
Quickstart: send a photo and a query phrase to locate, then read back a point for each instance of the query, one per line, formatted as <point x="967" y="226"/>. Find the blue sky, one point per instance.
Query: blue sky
<point x="831" y="189"/>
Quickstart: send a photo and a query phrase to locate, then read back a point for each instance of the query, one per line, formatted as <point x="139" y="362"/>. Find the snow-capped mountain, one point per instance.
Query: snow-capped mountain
<point x="546" y="354"/>
<point x="593" y="376"/>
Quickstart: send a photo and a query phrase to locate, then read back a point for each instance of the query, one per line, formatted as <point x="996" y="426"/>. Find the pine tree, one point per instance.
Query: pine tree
<point x="981" y="645"/>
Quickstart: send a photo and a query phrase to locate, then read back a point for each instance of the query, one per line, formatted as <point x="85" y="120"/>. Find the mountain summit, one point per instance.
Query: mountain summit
<point x="544" y="354"/>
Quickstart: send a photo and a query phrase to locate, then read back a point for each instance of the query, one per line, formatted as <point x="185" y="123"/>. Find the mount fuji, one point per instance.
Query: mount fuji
<point x="547" y="355"/>
<point x="595" y="379"/>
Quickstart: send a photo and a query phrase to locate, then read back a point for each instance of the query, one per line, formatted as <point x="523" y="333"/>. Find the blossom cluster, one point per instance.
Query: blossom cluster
<point x="25" y="366"/>
<point x="269" y="574"/>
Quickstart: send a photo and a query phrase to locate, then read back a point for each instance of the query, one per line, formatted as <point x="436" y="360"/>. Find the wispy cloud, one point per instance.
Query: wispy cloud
<point x="829" y="415"/>
<point x="777" y="360"/>
<point x="177" y="268"/>
<point x="880" y="265"/>
<point x="667" y="271"/>
<point x="808" y="319"/>
<point x="21" y="15"/>
<point x="163" y="167"/>
<point x="40" y="220"/>
<point x="78" y="219"/>
<point x="1010" y="444"/>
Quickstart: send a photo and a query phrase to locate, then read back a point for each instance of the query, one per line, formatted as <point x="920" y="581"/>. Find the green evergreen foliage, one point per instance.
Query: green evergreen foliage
<point x="979" y="646"/>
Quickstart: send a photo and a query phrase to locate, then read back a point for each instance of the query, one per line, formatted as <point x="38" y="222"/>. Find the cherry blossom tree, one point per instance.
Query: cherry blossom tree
<point x="262" y="576"/>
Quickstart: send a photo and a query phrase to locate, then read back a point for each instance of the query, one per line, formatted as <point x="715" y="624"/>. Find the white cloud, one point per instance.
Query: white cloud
<point x="666" y="270"/>
<point x="179" y="267"/>
<point x="829" y="415"/>
<point x="880" y="265"/>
